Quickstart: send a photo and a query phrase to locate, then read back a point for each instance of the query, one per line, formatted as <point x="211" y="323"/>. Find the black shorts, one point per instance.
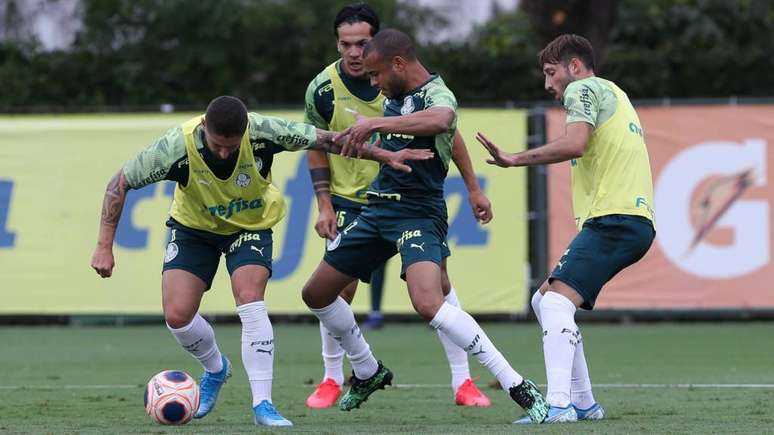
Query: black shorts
<point x="605" y="246"/>
<point x="199" y="251"/>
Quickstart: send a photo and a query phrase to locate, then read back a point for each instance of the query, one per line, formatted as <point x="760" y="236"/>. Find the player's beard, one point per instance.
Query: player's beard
<point x="568" y="78"/>
<point x="396" y="86"/>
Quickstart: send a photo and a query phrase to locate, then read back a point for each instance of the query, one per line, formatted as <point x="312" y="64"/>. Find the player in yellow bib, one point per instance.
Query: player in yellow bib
<point x="612" y="195"/>
<point x="224" y="204"/>
<point x="333" y="98"/>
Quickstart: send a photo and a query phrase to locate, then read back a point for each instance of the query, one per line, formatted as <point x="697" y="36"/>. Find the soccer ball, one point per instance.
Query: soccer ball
<point x="172" y="397"/>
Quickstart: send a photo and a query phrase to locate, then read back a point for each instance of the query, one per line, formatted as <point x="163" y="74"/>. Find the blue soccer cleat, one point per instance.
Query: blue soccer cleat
<point x="209" y="387"/>
<point x="594" y="412"/>
<point x="265" y="414"/>
<point x="555" y="415"/>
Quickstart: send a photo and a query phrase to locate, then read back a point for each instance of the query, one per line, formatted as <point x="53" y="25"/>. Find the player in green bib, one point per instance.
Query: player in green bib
<point x="405" y="215"/>
<point x="612" y="195"/>
<point x="224" y="204"/>
<point x="333" y="98"/>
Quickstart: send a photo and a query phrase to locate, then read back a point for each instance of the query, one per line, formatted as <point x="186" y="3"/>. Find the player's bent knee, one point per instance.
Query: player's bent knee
<point x="427" y="308"/>
<point x="248" y="296"/>
<point x="309" y="297"/>
<point x="178" y="319"/>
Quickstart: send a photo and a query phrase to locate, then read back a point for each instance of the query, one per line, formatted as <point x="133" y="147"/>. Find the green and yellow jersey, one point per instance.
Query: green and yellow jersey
<point x="328" y="98"/>
<point x="613" y="176"/>
<point x="221" y="196"/>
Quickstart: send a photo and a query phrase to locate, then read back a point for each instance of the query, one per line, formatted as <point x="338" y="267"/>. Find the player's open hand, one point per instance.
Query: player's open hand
<point x="326" y="224"/>
<point x="342" y="140"/>
<point x="499" y="157"/>
<point x="397" y="159"/>
<point x="360" y="132"/>
<point x="102" y="261"/>
<point x="481" y="206"/>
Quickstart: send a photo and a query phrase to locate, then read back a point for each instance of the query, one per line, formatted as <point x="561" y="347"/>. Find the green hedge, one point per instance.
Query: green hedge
<point x="148" y="52"/>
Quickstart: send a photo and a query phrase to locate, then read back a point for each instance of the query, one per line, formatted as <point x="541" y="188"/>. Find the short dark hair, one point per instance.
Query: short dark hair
<point x="356" y="13"/>
<point x="226" y="116"/>
<point x="565" y="47"/>
<point x="389" y="43"/>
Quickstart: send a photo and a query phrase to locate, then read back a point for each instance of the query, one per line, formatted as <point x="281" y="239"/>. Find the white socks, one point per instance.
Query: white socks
<point x="580" y="384"/>
<point x="340" y="322"/>
<point x="458" y="358"/>
<point x="560" y="336"/>
<point x="198" y="339"/>
<point x="257" y="349"/>
<point x="333" y="356"/>
<point x="536" y="298"/>
<point x="463" y="331"/>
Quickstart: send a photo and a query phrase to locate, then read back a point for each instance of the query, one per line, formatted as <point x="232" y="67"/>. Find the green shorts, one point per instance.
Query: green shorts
<point x="199" y="251"/>
<point x="347" y="211"/>
<point x="605" y="246"/>
<point x="377" y="234"/>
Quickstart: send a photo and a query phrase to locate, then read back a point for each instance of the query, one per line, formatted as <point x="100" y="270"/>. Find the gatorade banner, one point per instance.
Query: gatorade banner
<point x="53" y="174"/>
<point x="713" y="186"/>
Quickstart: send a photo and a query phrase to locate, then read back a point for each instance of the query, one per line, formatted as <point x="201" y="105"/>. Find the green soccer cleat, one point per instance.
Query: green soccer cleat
<point x="529" y="397"/>
<point x="361" y="389"/>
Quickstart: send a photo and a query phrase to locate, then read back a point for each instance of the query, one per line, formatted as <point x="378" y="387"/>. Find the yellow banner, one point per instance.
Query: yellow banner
<point x="53" y="173"/>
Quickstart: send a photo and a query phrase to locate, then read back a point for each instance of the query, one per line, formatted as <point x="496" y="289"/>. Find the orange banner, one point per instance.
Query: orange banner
<point x="713" y="192"/>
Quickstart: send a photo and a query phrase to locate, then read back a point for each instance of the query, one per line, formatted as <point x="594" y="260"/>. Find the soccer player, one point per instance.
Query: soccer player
<point x="224" y="203"/>
<point x="406" y="214"/>
<point x="612" y="196"/>
<point x="340" y="187"/>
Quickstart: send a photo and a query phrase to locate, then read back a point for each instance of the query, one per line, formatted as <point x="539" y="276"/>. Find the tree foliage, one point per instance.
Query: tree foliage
<point x="147" y="52"/>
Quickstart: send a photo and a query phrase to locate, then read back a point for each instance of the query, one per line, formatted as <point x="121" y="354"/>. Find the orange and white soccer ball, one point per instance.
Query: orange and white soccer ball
<point x="172" y="397"/>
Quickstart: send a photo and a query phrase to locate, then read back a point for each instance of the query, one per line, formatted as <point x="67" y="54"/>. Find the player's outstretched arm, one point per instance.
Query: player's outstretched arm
<point x="320" y="172"/>
<point x="430" y="122"/>
<point x="112" y="205"/>
<point x="479" y="203"/>
<point x="332" y="142"/>
<point x="570" y="146"/>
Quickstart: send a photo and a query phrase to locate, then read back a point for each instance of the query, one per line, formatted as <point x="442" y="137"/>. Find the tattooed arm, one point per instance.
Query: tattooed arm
<point x="102" y="260"/>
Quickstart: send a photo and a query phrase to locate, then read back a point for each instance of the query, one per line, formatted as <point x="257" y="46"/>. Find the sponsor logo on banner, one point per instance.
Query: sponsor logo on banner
<point x="700" y="190"/>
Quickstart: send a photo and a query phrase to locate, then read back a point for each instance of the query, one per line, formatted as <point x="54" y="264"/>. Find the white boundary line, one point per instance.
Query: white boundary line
<point x="408" y="386"/>
<point x="676" y="386"/>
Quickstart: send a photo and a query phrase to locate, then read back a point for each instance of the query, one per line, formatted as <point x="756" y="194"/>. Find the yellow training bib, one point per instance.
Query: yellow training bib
<point x="350" y="177"/>
<point x="613" y="176"/>
<point x="244" y="201"/>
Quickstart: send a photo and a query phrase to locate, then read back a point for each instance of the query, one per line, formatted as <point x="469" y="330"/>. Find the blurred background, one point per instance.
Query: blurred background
<point x="86" y="84"/>
<point x="75" y="55"/>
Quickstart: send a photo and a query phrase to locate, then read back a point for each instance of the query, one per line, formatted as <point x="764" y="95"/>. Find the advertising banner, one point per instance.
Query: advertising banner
<point x="53" y="173"/>
<point x="713" y="186"/>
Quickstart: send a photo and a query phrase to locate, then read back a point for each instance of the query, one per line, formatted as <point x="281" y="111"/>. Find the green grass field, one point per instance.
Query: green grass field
<point x="90" y="380"/>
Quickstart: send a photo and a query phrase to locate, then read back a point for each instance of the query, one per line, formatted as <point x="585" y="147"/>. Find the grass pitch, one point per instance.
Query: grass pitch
<point x="90" y="380"/>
